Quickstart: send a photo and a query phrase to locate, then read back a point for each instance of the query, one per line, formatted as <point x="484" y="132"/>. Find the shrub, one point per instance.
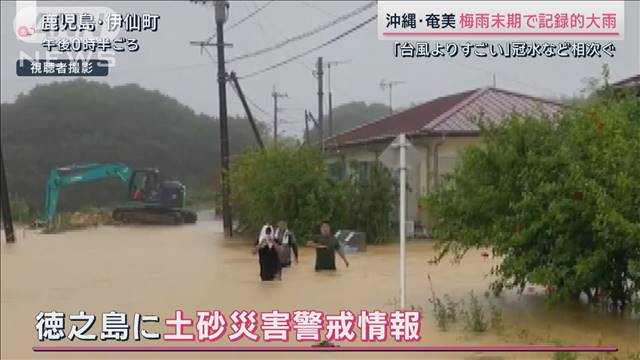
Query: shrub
<point x="557" y="199"/>
<point x="369" y="201"/>
<point x="474" y="315"/>
<point x="496" y="318"/>
<point x="21" y="211"/>
<point x="292" y="183"/>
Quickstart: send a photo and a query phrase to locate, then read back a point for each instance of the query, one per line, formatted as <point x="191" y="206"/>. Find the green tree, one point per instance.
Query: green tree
<point x="283" y="183"/>
<point x="369" y="203"/>
<point x="292" y="183"/>
<point x="558" y="199"/>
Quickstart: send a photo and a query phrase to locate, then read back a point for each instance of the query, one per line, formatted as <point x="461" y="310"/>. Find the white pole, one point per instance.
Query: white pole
<point x="403" y="195"/>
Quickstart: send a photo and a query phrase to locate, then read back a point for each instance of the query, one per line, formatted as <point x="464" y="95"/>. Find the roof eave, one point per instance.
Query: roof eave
<point x="421" y="134"/>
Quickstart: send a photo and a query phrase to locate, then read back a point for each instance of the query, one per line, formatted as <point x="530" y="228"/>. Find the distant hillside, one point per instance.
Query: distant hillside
<point x="83" y="122"/>
<point x="349" y="115"/>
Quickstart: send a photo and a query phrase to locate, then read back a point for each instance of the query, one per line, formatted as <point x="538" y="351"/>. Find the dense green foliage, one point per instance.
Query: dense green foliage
<point x="369" y="203"/>
<point x="292" y="183"/>
<point x="283" y="183"/>
<point x="21" y="211"/>
<point x="83" y="122"/>
<point x="558" y="200"/>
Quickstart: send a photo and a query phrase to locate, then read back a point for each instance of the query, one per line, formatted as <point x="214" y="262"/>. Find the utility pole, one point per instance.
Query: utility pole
<point x="306" y="127"/>
<point x="275" y="96"/>
<point x="221" y="16"/>
<point x="319" y="73"/>
<point x="243" y="100"/>
<point x="389" y="85"/>
<point x="7" y="221"/>
<point x="308" y="118"/>
<point x="403" y="217"/>
<point x="401" y="155"/>
<point x="221" y="8"/>
<point x="329" y="64"/>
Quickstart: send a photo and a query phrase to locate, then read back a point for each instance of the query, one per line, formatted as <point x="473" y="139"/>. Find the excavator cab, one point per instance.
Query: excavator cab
<point x="153" y="200"/>
<point x="147" y="187"/>
<point x="144" y="186"/>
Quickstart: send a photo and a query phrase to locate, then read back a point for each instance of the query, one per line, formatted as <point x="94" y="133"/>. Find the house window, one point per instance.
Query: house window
<point x="337" y="170"/>
<point x="360" y="168"/>
<point x="363" y="169"/>
<point x="446" y="166"/>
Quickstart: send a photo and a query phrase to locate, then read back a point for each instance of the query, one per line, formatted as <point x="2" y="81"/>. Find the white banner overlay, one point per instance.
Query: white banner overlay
<point x="500" y="20"/>
<point x="27" y="22"/>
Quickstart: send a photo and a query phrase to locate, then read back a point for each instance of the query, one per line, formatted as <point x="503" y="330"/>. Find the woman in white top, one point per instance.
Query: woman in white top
<point x="267" y="250"/>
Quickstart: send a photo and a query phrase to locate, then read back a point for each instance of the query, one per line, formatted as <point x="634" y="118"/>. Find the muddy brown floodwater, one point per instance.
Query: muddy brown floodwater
<point x="156" y="270"/>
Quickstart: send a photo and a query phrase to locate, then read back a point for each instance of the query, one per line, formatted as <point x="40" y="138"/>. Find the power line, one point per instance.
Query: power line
<point x="305" y="34"/>
<point x="252" y="14"/>
<point x="249" y="16"/>
<point x="321" y="10"/>
<point x="328" y="13"/>
<point x="263" y="31"/>
<point x="275" y="96"/>
<point x="253" y="103"/>
<point x="317" y="8"/>
<point x="284" y="62"/>
<point x="210" y="55"/>
<point x="266" y="35"/>
<point x="258" y="107"/>
<point x="273" y="26"/>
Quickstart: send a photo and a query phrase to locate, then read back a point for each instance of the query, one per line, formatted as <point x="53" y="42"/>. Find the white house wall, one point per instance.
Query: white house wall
<point x="424" y="175"/>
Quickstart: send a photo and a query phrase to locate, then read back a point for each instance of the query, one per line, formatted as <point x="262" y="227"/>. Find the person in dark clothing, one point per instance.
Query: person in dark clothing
<point x="287" y="242"/>
<point x="267" y="250"/>
<point x="326" y="246"/>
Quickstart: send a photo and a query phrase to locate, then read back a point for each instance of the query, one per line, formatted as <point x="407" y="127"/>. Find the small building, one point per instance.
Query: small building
<point x="439" y="129"/>
<point x="632" y="84"/>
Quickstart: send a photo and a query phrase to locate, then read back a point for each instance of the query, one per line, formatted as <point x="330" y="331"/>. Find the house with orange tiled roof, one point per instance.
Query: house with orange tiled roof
<point x="438" y="128"/>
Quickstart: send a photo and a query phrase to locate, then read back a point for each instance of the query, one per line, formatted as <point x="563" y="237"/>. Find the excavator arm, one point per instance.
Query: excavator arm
<point x="77" y="174"/>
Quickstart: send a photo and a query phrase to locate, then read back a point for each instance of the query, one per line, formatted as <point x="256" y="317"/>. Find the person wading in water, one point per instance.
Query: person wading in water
<point x="287" y="241"/>
<point x="326" y="246"/>
<point x="267" y="250"/>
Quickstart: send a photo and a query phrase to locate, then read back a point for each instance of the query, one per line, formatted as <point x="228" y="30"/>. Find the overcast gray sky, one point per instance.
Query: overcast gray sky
<point x="168" y="63"/>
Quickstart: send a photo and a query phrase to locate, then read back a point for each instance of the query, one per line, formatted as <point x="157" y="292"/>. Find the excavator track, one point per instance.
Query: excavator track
<point x="151" y="215"/>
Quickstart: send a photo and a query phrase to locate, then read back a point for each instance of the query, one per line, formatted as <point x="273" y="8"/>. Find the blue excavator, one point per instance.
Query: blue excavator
<point x="150" y="199"/>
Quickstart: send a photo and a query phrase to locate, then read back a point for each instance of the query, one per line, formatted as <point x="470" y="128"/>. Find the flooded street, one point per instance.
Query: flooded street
<point x="156" y="270"/>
